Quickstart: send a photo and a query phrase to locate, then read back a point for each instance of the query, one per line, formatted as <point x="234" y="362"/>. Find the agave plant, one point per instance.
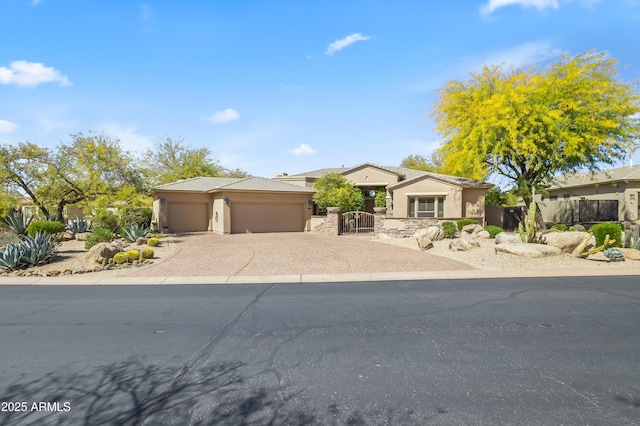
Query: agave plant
<point x="10" y="257"/>
<point x="79" y="226"/>
<point x="17" y="222"/>
<point x="31" y="251"/>
<point x="132" y="232"/>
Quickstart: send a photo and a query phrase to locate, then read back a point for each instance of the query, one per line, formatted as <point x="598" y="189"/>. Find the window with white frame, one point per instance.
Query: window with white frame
<point x="426" y="207"/>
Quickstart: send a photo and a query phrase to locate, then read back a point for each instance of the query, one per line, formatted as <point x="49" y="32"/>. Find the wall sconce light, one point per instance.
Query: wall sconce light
<point x="163" y="201"/>
<point x="216" y="216"/>
<point x="226" y="200"/>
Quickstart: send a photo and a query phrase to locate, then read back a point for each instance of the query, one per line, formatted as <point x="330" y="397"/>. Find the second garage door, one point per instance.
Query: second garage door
<point x="188" y="217"/>
<point x="265" y="217"/>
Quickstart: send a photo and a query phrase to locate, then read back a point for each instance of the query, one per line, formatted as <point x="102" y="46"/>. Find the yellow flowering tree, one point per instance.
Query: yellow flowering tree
<point x="530" y="125"/>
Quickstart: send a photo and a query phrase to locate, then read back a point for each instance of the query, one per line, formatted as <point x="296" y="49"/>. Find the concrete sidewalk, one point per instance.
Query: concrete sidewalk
<point x="96" y="279"/>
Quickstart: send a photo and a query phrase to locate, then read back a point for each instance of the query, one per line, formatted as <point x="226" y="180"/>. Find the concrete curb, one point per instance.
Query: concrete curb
<point x="88" y="279"/>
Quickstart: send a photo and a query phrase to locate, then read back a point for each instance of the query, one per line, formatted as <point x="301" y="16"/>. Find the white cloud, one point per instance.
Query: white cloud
<point x="8" y="126"/>
<point x="344" y="42"/>
<point x="303" y="149"/>
<point x="225" y="116"/>
<point x="36" y="2"/>
<point x="492" y="5"/>
<point x="129" y="137"/>
<point x="31" y="74"/>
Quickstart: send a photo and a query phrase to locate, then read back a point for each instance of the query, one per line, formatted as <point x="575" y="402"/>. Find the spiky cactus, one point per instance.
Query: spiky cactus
<point x="528" y="230"/>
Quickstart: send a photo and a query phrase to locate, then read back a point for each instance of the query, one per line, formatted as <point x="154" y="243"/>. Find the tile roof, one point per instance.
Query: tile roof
<point x="209" y="184"/>
<point x="407" y="174"/>
<point x="586" y="179"/>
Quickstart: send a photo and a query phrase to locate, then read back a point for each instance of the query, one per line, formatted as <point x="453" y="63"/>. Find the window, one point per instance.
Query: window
<point x="426" y="206"/>
<point x="553" y="198"/>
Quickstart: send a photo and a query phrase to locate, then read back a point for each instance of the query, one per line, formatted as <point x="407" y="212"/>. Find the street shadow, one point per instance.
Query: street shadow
<point x="136" y="393"/>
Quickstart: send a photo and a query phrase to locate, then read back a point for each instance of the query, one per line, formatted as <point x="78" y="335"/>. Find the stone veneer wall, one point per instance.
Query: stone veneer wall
<point x="394" y="227"/>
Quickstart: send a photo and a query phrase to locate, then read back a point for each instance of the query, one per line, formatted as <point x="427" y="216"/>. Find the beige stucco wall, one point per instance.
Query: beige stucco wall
<point x="371" y="176"/>
<point x="473" y="202"/>
<point x="429" y="187"/>
<point x="565" y="210"/>
<point x="304" y="181"/>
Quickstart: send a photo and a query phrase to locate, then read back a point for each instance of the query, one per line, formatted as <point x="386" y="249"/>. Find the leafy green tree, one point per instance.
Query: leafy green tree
<point x="334" y="190"/>
<point x="171" y="160"/>
<point x="530" y="125"/>
<point x="419" y="162"/>
<point x="76" y="172"/>
<point x="496" y="197"/>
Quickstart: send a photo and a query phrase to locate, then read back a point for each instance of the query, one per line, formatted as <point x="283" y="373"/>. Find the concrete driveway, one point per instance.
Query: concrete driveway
<point x="208" y="254"/>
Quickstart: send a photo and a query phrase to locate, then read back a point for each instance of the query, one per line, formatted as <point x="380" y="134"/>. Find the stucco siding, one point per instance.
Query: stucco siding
<point x="372" y="176"/>
<point x="425" y="188"/>
<point x="473" y="202"/>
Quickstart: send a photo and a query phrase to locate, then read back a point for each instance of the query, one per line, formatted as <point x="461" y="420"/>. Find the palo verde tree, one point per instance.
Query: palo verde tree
<point x="171" y="160"/>
<point x="76" y="172"/>
<point x="530" y="125"/>
<point x="334" y="190"/>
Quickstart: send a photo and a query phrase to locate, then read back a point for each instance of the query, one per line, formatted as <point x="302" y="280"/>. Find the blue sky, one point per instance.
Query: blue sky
<point x="276" y="86"/>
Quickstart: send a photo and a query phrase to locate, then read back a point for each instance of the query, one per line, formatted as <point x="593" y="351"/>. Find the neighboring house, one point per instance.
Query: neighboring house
<point x="410" y="193"/>
<point x="610" y="195"/>
<point x="231" y="205"/>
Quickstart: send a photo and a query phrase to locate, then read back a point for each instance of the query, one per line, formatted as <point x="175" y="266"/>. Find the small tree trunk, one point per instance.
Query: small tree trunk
<point x="540" y="225"/>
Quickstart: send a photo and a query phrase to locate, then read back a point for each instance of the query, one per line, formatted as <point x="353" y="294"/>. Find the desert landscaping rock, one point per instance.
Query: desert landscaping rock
<point x="508" y="237"/>
<point x="472" y="229"/>
<point x="528" y="250"/>
<point x="104" y="251"/>
<point x="630" y="253"/>
<point x="462" y="244"/>
<point x="433" y="233"/>
<point x="566" y="241"/>
<point x="424" y="243"/>
<point x="82" y="236"/>
<point x="483" y="235"/>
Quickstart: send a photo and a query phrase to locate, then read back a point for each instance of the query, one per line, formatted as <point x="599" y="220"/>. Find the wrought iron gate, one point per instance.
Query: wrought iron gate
<point x="356" y="223"/>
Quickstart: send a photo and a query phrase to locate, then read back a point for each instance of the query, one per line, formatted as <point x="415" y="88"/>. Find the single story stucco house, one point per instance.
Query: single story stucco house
<point x="410" y="193"/>
<point x="284" y="203"/>
<point x="231" y="205"/>
<point x="609" y="195"/>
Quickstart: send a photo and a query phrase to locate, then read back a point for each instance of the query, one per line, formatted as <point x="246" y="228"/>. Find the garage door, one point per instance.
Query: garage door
<point x="263" y="217"/>
<point x="188" y="217"/>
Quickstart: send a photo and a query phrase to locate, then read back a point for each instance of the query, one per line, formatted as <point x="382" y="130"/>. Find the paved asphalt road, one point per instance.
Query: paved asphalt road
<point x="458" y="352"/>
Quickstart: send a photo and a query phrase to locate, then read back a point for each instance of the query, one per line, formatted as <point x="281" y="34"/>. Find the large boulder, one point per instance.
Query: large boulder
<point x="103" y="251"/>
<point x="424" y="243"/>
<point x="432" y="232"/>
<point x="472" y="229"/>
<point x="528" y="249"/>
<point x="508" y="237"/>
<point x="483" y="235"/>
<point x="565" y="241"/>
<point x="462" y="244"/>
<point x="630" y="253"/>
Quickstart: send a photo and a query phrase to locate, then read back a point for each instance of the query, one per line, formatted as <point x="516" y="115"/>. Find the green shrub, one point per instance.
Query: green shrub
<point x="153" y="242"/>
<point x="559" y="226"/>
<point x="381" y="197"/>
<point x="464" y="222"/>
<point x="99" y="235"/>
<point x="120" y="258"/>
<point x="493" y="230"/>
<point x="449" y="229"/>
<point x="601" y="230"/>
<point x="107" y="220"/>
<point x="147" y="253"/>
<point x="46" y="227"/>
